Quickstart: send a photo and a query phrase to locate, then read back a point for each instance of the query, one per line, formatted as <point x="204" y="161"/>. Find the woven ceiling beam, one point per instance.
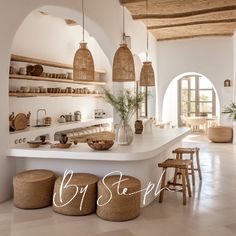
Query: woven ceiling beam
<point x="193" y="23"/>
<point x="184" y="14"/>
<point x="194" y="36"/>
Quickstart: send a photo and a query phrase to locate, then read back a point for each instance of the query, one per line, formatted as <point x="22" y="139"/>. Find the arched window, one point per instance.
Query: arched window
<point x="196" y="97"/>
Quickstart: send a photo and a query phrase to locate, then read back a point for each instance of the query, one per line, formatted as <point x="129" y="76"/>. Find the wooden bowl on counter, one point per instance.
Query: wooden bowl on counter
<point x="34" y="144"/>
<point x="100" y="145"/>
<point x="61" y="145"/>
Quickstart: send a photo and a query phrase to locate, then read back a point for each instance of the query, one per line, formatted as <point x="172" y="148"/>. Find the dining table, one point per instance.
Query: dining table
<point x="196" y="123"/>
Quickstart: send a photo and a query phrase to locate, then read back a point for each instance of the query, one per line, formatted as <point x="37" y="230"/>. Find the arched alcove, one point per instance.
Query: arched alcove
<point x="171" y="103"/>
<point x="63" y="9"/>
<point x="45" y="35"/>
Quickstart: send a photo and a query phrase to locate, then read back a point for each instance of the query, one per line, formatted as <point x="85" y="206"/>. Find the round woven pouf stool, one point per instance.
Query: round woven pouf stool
<point x="112" y="205"/>
<point x="75" y="195"/>
<point x="220" y="134"/>
<point x="33" y="189"/>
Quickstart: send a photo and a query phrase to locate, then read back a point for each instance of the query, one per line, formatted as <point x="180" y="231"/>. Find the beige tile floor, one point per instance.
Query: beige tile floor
<point x="211" y="210"/>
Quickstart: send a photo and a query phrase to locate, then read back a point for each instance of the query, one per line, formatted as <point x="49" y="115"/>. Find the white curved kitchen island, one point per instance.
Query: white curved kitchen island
<point x="140" y="159"/>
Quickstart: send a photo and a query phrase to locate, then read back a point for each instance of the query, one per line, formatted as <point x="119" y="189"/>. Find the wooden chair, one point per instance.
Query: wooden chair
<point x="190" y="151"/>
<point x="179" y="165"/>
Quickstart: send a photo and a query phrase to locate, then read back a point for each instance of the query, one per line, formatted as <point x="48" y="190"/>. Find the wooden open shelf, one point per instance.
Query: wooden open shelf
<point x="46" y="63"/>
<point x="26" y="95"/>
<point x="46" y="79"/>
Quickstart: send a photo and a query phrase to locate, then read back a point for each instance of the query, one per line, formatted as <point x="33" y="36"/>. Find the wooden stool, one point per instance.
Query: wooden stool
<point x="76" y="199"/>
<point x="191" y="151"/>
<point x="182" y="166"/>
<point x="119" y="207"/>
<point x="33" y="189"/>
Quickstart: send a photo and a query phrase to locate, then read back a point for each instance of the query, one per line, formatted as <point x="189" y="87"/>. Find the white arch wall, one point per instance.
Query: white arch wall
<point x="103" y="21"/>
<point x="170" y="101"/>
<point x="211" y="57"/>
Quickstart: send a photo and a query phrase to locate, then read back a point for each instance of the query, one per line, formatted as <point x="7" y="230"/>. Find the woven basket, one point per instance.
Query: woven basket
<point x="220" y="134"/>
<point x="147" y="77"/>
<point x="120" y="207"/>
<point x="83" y="67"/>
<point x="123" y="65"/>
<point x="101" y="144"/>
<point x="73" y="208"/>
<point x="33" y="189"/>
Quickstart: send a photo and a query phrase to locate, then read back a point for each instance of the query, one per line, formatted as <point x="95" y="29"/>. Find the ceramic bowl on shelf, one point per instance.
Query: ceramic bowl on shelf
<point x="100" y="145"/>
<point x="32" y="90"/>
<point x="37" y="70"/>
<point x="24" y="89"/>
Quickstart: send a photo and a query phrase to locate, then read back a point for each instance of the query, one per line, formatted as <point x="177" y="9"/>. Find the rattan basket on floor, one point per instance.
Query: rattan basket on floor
<point x="220" y="134"/>
<point x="120" y="207"/>
<point x="33" y="189"/>
<point x="74" y="206"/>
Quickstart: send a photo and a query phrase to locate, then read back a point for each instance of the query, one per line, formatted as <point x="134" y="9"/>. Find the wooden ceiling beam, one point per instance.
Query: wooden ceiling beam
<point x="184" y="14"/>
<point x="193" y="23"/>
<point x="194" y="36"/>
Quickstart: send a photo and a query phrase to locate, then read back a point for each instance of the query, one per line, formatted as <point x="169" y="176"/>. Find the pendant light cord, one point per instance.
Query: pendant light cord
<point x="83" y="17"/>
<point x="123" y="26"/>
<point x="147" y="30"/>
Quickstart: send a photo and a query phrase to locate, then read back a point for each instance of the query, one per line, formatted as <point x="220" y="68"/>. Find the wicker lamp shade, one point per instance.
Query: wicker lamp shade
<point x="123" y="65"/>
<point x="83" y="67"/>
<point x="147" y="77"/>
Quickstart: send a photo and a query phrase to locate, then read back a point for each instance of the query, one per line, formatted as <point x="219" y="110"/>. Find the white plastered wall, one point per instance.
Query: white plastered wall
<point x="211" y="57"/>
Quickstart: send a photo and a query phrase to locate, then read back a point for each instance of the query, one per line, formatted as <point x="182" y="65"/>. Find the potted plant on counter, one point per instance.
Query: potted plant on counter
<point x="125" y="104"/>
<point x="230" y="110"/>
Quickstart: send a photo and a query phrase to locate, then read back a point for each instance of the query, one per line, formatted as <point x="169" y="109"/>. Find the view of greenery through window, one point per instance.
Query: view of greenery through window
<point x="197" y="96"/>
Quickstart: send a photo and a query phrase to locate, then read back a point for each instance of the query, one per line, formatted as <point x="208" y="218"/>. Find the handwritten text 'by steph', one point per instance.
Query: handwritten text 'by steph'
<point x="68" y="174"/>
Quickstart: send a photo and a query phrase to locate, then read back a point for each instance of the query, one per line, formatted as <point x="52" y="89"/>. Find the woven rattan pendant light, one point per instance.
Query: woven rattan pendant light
<point x="83" y="66"/>
<point x="147" y="77"/>
<point x="123" y="62"/>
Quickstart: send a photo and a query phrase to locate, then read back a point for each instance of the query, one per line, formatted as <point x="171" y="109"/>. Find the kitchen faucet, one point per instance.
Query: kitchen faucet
<point x="37" y="120"/>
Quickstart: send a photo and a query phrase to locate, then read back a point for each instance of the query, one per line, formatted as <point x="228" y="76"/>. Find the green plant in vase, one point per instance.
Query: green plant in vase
<point x="125" y="104"/>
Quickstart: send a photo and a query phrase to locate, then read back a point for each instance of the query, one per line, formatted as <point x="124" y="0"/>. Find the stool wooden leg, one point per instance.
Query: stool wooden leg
<point x="184" y="187"/>
<point x="177" y="156"/>
<point x="198" y="165"/>
<point x="176" y="170"/>
<point x="163" y="183"/>
<point x="175" y="175"/>
<point x="188" y="182"/>
<point x="181" y="158"/>
<point x="192" y="170"/>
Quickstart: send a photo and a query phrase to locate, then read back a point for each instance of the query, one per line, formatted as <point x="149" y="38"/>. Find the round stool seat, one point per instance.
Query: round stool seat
<point x="220" y="134"/>
<point x="33" y="189"/>
<point x="118" y="207"/>
<point x="78" y="196"/>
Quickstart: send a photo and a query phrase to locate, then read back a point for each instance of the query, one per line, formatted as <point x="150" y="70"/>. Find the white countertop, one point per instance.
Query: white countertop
<point x="144" y="147"/>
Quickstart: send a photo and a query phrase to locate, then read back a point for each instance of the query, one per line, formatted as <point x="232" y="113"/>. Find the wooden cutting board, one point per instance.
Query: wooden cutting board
<point x="20" y="122"/>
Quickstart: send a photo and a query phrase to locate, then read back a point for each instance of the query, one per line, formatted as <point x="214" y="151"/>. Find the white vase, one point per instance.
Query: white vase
<point x="234" y="132"/>
<point x="148" y="126"/>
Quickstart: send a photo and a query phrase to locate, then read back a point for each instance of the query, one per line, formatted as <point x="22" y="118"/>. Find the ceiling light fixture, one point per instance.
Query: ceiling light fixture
<point x="83" y="66"/>
<point x="123" y="62"/>
<point x="147" y="77"/>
